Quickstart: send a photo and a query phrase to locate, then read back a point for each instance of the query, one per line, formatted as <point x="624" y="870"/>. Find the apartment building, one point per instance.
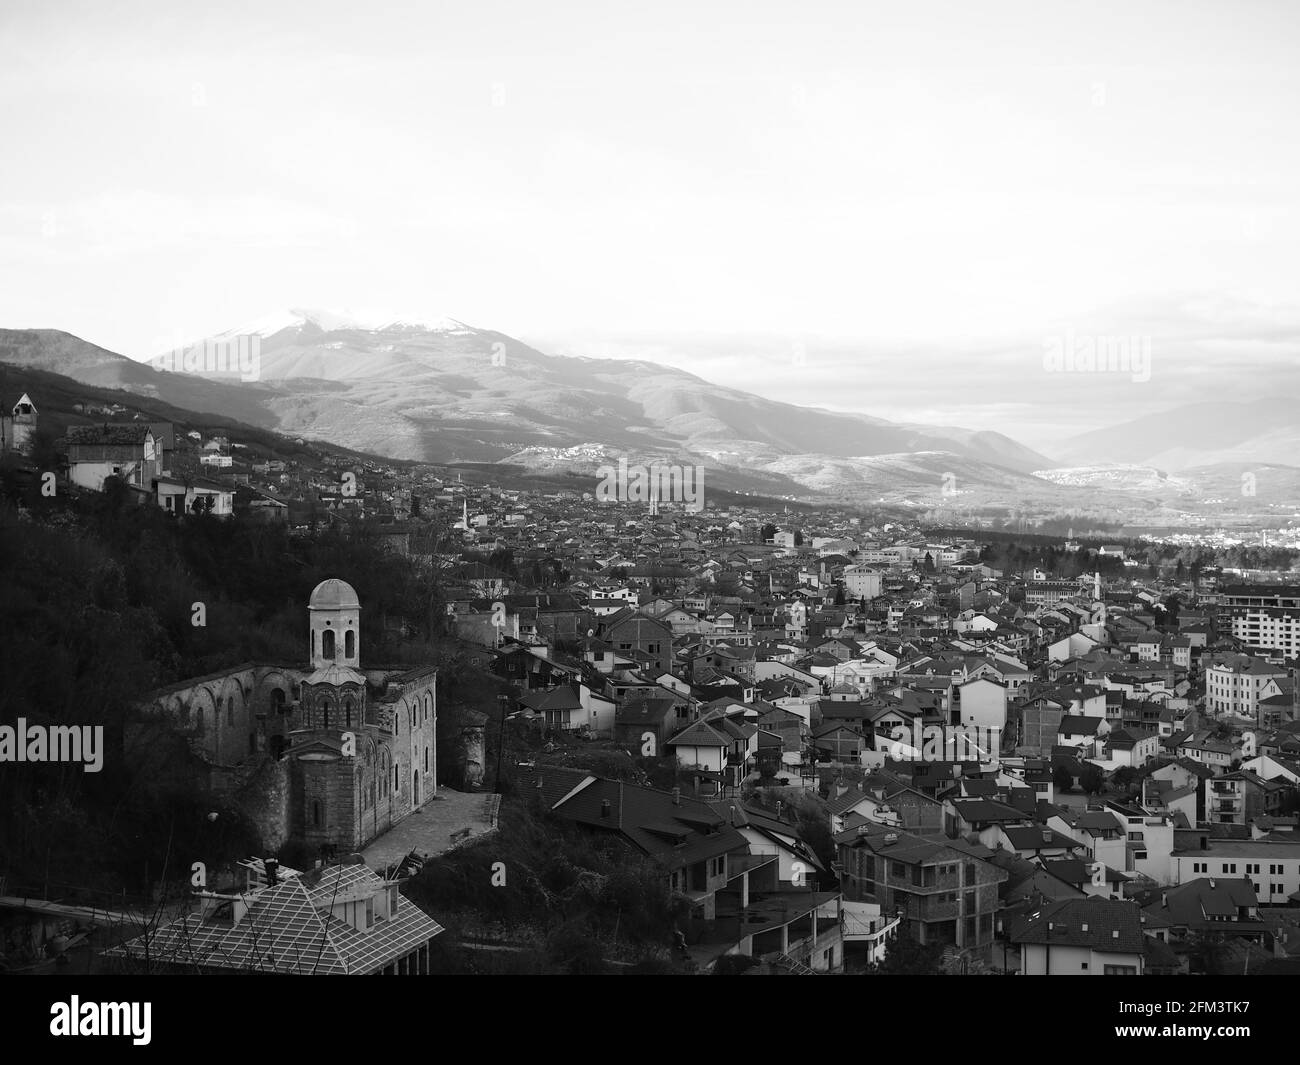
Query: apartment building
<point x="1237" y="684"/>
<point x="1265" y="617"/>
<point x="945" y="890"/>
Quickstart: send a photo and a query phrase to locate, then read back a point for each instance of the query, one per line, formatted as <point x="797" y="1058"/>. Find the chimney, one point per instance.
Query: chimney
<point x="733" y="813"/>
<point x="604" y="808"/>
<point x="272" y="871"/>
<point x="677" y="796"/>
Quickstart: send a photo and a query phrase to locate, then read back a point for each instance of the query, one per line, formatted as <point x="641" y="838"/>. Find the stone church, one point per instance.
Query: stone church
<point x="331" y="754"/>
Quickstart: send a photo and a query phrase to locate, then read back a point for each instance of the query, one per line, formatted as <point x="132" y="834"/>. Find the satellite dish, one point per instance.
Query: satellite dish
<point x="591" y="632"/>
<point x="355" y="858"/>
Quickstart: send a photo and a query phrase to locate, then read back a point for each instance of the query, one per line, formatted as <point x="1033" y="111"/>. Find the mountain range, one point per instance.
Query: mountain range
<point x="438" y="390"/>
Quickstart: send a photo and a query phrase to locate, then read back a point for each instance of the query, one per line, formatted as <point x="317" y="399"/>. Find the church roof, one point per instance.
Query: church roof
<point x="334" y="594"/>
<point x="335" y="674"/>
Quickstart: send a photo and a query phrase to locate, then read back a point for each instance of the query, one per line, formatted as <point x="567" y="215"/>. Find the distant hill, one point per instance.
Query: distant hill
<point x="1196" y="435"/>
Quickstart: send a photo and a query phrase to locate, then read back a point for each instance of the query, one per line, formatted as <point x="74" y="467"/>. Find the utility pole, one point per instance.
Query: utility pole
<point x="504" y="700"/>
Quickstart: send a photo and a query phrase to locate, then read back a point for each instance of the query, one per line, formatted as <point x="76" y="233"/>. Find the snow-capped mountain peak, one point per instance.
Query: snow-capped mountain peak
<point x="329" y="321"/>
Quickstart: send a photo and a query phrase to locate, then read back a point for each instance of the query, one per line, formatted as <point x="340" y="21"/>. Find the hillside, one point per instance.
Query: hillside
<point x="447" y="392"/>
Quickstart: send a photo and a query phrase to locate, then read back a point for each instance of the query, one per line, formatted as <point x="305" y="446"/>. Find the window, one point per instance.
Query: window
<point x="1119" y="970"/>
<point x="327" y="643"/>
<point x="315" y="814"/>
<point x="350" y="644"/>
<point x="1229" y="867"/>
<point x="230" y="710"/>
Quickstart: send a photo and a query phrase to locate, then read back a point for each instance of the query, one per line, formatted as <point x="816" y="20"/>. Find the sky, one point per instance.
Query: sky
<point x="901" y="209"/>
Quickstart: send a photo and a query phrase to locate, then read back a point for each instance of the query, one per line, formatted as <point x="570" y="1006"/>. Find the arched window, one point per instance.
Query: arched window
<point x="230" y="710"/>
<point x="277" y="700"/>
<point x="327" y="643"/>
<point x="394" y="778"/>
<point x="426" y="759"/>
<point x="347" y="713"/>
<point x="315" y="814"/>
<point x="350" y="644"/>
<point x="313" y="643"/>
<point x="324" y="707"/>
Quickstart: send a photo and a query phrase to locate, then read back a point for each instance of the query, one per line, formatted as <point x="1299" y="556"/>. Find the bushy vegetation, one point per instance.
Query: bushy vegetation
<point x="98" y="601"/>
<point x="546" y="887"/>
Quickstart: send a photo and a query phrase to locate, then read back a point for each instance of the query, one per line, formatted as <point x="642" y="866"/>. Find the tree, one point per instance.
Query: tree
<point x="1172" y="603"/>
<point x="1208" y="953"/>
<point x="1125" y="777"/>
<point x="906" y="957"/>
<point x="767" y="533"/>
<point x="1062" y="779"/>
<point x="1092" y="780"/>
<point x="732" y="965"/>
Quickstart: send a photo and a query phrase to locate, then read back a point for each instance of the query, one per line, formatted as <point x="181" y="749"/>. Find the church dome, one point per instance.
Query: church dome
<point x="334" y="594"/>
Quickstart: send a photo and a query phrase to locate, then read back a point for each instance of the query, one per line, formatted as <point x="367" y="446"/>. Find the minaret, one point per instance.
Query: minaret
<point x="1096" y="585"/>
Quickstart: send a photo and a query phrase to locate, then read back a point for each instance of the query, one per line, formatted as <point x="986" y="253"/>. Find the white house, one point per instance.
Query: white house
<point x="1082" y="937"/>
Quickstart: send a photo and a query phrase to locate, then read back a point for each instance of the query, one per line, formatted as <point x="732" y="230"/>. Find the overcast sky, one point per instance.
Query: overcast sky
<point x="887" y="207"/>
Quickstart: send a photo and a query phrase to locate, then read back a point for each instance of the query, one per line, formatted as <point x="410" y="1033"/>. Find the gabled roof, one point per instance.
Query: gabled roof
<point x="1036" y="838"/>
<point x="289" y="929"/>
<point x="1104" y="925"/>
<point x="561" y="697"/>
<point x="676" y="829"/>
<point x="110" y="434"/>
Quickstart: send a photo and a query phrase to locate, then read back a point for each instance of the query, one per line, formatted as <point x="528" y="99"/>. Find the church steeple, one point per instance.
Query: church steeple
<point x="334" y="617"/>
